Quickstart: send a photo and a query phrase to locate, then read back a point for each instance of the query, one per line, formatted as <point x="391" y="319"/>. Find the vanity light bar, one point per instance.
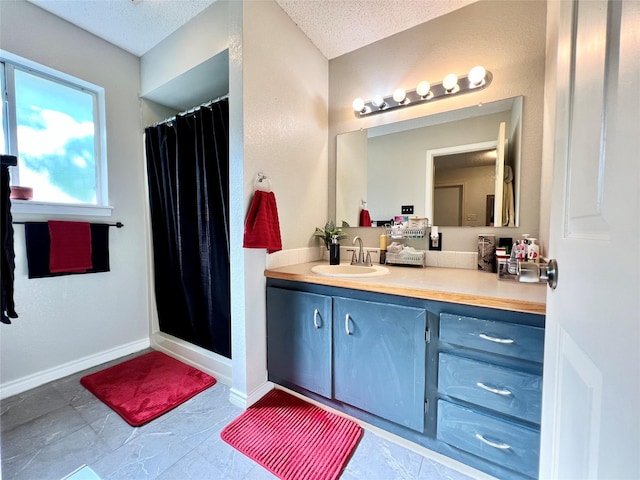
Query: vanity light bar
<point x="477" y="79"/>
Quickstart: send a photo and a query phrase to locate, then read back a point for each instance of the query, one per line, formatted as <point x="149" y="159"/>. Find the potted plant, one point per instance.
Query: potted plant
<point x="328" y="232"/>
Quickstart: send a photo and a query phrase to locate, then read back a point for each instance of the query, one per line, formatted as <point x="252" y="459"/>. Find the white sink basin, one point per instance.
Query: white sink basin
<point x="347" y="270"/>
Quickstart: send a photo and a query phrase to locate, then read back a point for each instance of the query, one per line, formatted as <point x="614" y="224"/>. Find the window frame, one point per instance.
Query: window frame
<point x="11" y="62"/>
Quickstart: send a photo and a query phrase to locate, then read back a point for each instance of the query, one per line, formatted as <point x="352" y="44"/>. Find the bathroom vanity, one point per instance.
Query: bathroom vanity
<point x="450" y="359"/>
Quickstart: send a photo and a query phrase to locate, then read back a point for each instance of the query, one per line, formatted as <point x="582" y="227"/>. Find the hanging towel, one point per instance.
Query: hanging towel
<point x="261" y="227"/>
<point x="365" y="218"/>
<point x="7" y="261"/>
<point x="70" y="249"/>
<point x="38" y="245"/>
<point x="508" y="209"/>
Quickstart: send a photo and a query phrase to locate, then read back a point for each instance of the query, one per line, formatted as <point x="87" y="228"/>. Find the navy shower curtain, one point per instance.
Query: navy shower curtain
<point x="188" y="172"/>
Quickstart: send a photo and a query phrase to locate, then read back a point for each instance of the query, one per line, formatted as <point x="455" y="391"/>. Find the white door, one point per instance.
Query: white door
<point x="591" y="392"/>
<point x="498" y="209"/>
<point x="447" y="205"/>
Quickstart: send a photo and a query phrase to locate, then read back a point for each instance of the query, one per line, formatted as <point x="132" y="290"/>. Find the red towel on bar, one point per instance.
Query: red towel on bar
<point x="261" y="227"/>
<point x="365" y="218"/>
<point x="70" y="249"/>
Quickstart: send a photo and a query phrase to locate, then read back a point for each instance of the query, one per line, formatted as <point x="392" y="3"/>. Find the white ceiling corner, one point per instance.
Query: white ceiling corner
<point x="135" y="26"/>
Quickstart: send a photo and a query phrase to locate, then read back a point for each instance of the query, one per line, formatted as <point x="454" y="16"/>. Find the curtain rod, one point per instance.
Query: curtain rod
<point x="191" y="110"/>
<point x="117" y="224"/>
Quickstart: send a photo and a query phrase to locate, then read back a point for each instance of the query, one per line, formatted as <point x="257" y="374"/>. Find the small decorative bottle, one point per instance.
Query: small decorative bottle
<point x="383" y="249"/>
<point x="334" y="251"/>
<point x="533" y="251"/>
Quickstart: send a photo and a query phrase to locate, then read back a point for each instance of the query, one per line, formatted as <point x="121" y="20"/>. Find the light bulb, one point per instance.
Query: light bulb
<point x="476" y="76"/>
<point x="358" y="105"/>
<point x="450" y="83"/>
<point x="378" y="102"/>
<point x="399" y="95"/>
<point x="423" y="89"/>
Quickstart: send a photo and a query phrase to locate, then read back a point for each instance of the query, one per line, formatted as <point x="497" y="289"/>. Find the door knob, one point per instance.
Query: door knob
<point x="552" y="274"/>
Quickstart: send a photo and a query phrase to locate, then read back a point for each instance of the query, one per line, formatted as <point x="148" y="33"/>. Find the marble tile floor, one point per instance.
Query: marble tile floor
<point x="50" y="431"/>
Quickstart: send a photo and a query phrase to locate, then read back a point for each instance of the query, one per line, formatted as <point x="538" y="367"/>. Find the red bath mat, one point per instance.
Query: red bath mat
<point x="147" y="386"/>
<point x="293" y="439"/>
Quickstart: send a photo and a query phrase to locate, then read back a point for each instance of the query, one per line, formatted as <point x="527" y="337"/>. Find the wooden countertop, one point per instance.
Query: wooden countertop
<point x="455" y="285"/>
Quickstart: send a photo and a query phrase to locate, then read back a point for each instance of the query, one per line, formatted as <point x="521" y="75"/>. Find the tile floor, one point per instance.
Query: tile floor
<point x="50" y="431"/>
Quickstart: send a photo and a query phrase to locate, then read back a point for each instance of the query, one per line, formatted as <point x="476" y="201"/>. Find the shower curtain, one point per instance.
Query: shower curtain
<point x="188" y="172"/>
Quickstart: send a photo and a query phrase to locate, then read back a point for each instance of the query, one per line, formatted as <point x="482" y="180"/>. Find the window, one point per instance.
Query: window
<point x="54" y="123"/>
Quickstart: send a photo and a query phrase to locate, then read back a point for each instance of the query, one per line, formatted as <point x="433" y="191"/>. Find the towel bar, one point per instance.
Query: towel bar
<point x="117" y="224"/>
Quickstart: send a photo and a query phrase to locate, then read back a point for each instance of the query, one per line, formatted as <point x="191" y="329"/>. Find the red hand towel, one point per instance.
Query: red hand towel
<point x="70" y="249"/>
<point x="365" y="218"/>
<point x="261" y="227"/>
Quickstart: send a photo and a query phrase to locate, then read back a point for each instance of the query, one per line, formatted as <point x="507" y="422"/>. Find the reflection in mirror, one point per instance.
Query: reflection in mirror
<point x="392" y="165"/>
<point x="461" y="182"/>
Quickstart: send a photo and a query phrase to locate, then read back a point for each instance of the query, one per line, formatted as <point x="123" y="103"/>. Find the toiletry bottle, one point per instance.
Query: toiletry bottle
<point x="533" y="251"/>
<point x="512" y="266"/>
<point x="383" y="249"/>
<point x="334" y="251"/>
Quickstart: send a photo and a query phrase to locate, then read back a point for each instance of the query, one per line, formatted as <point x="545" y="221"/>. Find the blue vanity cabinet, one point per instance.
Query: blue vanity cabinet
<point x="299" y="339"/>
<point x="380" y="359"/>
<point x="462" y="380"/>
<point x="490" y="390"/>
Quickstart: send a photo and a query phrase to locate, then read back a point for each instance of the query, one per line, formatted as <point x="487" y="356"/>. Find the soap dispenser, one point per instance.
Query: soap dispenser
<point x="334" y="251"/>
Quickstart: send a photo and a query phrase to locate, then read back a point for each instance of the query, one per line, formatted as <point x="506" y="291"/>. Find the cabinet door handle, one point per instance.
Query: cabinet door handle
<point x="497" y="391"/>
<point x="484" y="336"/>
<point x="316" y="312"/>
<point x="346" y="324"/>
<point x="498" y="445"/>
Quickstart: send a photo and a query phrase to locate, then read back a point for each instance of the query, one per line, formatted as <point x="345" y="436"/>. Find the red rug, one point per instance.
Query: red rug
<point x="147" y="386"/>
<point x="292" y="438"/>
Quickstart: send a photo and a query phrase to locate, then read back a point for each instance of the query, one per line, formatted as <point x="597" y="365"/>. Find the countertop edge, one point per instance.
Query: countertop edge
<point x="517" y="305"/>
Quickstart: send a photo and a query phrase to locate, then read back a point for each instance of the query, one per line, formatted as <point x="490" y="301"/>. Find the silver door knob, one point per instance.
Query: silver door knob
<point x="552" y="274"/>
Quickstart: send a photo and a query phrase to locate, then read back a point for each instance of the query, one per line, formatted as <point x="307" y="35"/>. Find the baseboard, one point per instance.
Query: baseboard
<point x="216" y="365"/>
<point x="15" y="387"/>
<point x="244" y="401"/>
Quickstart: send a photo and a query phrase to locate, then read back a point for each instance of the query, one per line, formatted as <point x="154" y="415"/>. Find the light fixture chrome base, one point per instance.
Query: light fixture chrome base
<point x="437" y="92"/>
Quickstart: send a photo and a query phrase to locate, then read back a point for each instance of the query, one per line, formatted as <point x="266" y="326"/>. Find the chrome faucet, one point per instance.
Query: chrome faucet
<point x="359" y="259"/>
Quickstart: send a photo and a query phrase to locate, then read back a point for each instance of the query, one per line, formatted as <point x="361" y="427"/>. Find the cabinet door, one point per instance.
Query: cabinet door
<point x="379" y="359"/>
<point x="299" y="339"/>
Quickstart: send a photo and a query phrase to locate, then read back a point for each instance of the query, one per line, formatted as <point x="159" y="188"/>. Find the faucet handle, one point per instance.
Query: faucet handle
<point x="353" y="256"/>
<point x="368" y="261"/>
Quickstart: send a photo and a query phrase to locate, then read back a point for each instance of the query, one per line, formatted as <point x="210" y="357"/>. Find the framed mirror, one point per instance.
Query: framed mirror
<point x="432" y="164"/>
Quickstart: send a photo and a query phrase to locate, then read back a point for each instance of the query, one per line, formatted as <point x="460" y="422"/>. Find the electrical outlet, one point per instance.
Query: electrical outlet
<point x="436" y="244"/>
<point x="407" y="209"/>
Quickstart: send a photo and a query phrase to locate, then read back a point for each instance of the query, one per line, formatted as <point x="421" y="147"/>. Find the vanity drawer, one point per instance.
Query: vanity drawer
<point x="510" y="339"/>
<point x="501" y="389"/>
<point x="513" y="446"/>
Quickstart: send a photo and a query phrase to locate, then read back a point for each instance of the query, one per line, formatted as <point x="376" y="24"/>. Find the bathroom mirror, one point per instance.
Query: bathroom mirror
<point x="430" y="165"/>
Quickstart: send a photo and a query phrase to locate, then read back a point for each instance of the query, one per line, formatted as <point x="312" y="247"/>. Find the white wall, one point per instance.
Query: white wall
<point x="351" y="184"/>
<point x="508" y="38"/>
<point x="72" y="322"/>
<point x="285" y="87"/>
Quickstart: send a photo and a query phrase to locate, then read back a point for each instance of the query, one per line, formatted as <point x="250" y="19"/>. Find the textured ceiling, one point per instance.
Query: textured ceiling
<point x="336" y="27"/>
<point x="133" y="25"/>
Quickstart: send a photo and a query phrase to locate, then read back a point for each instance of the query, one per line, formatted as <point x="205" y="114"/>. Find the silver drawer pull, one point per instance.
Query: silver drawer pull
<point x="500" y="446"/>
<point x="315" y="318"/>
<point x="484" y="336"/>
<point x="346" y="323"/>
<point x="497" y="391"/>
